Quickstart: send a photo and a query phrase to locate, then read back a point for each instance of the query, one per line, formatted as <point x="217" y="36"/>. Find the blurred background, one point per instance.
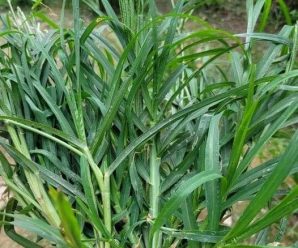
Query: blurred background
<point x="226" y="14"/>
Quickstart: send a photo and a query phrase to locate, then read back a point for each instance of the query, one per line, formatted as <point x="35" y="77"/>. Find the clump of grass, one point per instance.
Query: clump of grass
<point x="121" y="138"/>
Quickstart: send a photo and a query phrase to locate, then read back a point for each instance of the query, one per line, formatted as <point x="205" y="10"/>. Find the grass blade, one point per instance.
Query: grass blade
<point x="280" y="172"/>
<point x="182" y="192"/>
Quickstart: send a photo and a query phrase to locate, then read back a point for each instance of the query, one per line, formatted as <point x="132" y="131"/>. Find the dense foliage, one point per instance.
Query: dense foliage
<point x="137" y="132"/>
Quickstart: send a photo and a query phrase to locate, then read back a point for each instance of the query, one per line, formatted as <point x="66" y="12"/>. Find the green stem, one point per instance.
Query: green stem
<point x="106" y="198"/>
<point x="155" y="191"/>
<point x="104" y="186"/>
<point x="97" y="172"/>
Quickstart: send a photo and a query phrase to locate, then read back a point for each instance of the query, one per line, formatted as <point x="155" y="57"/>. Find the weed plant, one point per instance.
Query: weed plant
<point x="128" y="132"/>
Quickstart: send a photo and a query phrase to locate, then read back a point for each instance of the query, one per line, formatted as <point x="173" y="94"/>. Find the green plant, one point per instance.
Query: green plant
<point x="278" y="12"/>
<point x="137" y="123"/>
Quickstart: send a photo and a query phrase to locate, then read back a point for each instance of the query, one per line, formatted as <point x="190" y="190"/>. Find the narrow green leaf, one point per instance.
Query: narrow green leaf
<point x="268" y="37"/>
<point x="285" y="10"/>
<point x="184" y="190"/>
<point x="39" y="227"/>
<point x="45" y="131"/>
<point x="205" y="237"/>
<point x="270" y="131"/>
<point x="212" y="156"/>
<point x="208" y="102"/>
<point x="265" y="15"/>
<point x="44" y="18"/>
<point x="278" y="175"/>
<point x="286" y="206"/>
<point x="10" y="231"/>
<point x="70" y="228"/>
<point x="46" y="174"/>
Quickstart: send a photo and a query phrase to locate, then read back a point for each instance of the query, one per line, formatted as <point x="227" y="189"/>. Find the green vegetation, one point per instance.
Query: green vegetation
<point x="126" y="131"/>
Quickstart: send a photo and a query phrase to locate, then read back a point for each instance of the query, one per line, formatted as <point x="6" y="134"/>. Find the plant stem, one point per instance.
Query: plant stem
<point x="155" y="190"/>
<point x="104" y="186"/>
<point x="106" y="198"/>
<point x="97" y="172"/>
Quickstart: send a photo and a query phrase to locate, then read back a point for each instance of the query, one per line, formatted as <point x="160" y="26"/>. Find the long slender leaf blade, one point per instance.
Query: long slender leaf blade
<point x="280" y="172"/>
<point x="184" y="190"/>
<point x="212" y="156"/>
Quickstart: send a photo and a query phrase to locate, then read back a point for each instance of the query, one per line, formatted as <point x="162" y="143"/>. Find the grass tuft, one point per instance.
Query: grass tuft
<point x="134" y="131"/>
